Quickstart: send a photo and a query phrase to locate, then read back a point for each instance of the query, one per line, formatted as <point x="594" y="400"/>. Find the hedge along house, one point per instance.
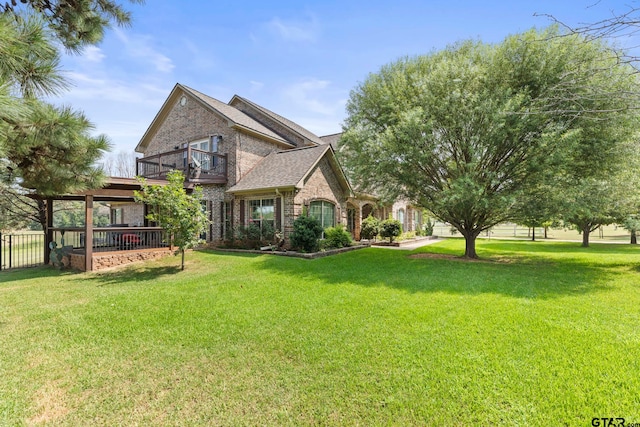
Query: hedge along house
<point x="253" y="165"/>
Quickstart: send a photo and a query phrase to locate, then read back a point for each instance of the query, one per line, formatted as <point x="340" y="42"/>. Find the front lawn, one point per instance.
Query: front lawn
<point x="537" y="334"/>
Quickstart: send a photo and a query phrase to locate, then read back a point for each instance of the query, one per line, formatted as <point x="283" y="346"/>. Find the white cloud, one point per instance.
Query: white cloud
<point x="93" y="54"/>
<point x="86" y="87"/>
<point x="309" y="94"/>
<point x="140" y="48"/>
<point x="294" y="31"/>
<point x="122" y="109"/>
<point x="255" y="85"/>
<point x="198" y="58"/>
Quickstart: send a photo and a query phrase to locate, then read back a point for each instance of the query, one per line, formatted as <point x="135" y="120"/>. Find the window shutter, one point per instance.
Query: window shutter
<point x="210" y="207"/>
<point x="222" y="218"/>
<point x="242" y="212"/>
<point x="279" y="213"/>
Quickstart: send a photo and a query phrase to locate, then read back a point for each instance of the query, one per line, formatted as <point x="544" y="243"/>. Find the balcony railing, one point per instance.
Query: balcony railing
<point x="198" y="166"/>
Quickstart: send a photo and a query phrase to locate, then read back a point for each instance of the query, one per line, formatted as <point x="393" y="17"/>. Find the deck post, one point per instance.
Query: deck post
<point x="88" y="233"/>
<point x="48" y="232"/>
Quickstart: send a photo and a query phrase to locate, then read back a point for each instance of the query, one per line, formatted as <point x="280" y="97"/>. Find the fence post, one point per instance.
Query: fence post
<point x="10" y="246"/>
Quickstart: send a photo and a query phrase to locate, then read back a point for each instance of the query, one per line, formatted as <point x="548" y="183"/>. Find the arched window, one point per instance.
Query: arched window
<point x="401" y="217"/>
<point x="323" y="211"/>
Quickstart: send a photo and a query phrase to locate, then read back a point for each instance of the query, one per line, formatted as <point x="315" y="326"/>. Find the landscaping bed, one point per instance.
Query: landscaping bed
<point x="406" y="242"/>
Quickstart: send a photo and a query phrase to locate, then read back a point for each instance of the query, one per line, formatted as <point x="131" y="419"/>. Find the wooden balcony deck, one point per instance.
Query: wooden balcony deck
<point x="199" y="167"/>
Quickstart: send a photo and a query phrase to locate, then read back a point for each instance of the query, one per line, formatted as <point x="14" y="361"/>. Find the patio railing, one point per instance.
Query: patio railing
<point x="106" y="239"/>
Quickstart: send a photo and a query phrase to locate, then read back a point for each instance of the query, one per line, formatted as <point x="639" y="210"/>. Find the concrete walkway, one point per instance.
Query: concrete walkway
<point x="411" y="246"/>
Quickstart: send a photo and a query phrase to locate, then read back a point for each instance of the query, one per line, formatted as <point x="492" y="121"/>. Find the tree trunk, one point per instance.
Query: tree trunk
<point x="585" y="236"/>
<point x="533" y="235"/>
<point x="634" y="238"/>
<point x="470" y="246"/>
<point x="182" y="253"/>
<point x="545" y="232"/>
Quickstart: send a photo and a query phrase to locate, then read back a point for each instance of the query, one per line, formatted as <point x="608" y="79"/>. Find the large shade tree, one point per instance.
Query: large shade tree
<point x="465" y="131"/>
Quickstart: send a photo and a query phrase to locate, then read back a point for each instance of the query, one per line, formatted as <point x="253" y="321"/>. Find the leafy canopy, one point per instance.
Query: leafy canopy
<point x="465" y="131"/>
<point x="179" y="213"/>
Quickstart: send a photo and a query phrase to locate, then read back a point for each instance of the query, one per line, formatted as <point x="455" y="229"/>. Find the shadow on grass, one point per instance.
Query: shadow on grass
<point x="515" y="269"/>
<point x="129" y="275"/>
<point x="29" y="273"/>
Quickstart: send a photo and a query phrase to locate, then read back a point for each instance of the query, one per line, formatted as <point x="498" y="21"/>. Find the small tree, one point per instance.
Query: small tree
<point x="306" y="233"/>
<point x="428" y="227"/>
<point x="370" y="228"/>
<point x="632" y="224"/>
<point x="179" y="213"/>
<point x="390" y="228"/>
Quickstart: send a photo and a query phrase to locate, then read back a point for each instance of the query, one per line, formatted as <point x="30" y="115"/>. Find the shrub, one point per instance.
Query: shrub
<point x="306" y="233"/>
<point x="390" y="228"/>
<point x="369" y="228"/>
<point x="250" y="232"/>
<point x="249" y="236"/>
<point x="268" y="233"/>
<point x="336" y="237"/>
<point x="428" y="228"/>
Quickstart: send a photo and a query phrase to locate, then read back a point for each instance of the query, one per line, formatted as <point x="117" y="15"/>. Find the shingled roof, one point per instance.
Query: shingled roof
<point x="235" y="117"/>
<point x="296" y="128"/>
<point x="287" y="169"/>
<point x="233" y="114"/>
<point x="331" y="139"/>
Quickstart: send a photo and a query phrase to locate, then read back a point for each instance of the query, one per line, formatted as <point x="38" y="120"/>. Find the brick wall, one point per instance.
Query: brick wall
<point x="190" y="122"/>
<point x="322" y="184"/>
<point x="114" y="259"/>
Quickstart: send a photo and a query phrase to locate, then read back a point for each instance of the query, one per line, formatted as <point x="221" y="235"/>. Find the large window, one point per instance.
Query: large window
<point x="417" y="220"/>
<point x="227" y="220"/>
<point x="401" y="217"/>
<point x="262" y="212"/>
<point x="205" y="161"/>
<point x="324" y="212"/>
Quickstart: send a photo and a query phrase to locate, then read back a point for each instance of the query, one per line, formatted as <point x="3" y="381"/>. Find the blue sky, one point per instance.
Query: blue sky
<point x="299" y="59"/>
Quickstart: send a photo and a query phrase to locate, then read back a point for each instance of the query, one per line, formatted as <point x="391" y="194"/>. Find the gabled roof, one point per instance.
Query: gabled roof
<point x="236" y="118"/>
<point x="294" y="127"/>
<point x="287" y="169"/>
<point x="331" y="139"/>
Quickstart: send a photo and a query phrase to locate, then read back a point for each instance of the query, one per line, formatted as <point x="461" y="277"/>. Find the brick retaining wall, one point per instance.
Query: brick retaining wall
<point x="114" y="259"/>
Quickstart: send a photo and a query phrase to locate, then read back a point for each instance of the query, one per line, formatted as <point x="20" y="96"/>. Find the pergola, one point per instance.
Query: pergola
<point x="115" y="190"/>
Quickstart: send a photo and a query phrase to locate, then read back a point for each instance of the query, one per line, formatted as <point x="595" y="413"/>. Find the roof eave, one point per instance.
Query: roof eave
<point x="267" y="112"/>
<point x="342" y="177"/>
<point x="254" y="132"/>
<point x="262" y="190"/>
<point x="164" y="111"/>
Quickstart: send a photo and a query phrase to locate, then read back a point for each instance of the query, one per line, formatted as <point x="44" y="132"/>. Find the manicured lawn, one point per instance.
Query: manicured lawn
<point x="540" y="334"/>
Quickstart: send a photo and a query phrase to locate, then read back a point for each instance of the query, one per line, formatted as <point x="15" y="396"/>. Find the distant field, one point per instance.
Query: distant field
<point x="606" y="233"/>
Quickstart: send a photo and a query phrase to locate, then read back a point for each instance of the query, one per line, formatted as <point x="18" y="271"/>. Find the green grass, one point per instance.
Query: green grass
<point x="538" y="334"/>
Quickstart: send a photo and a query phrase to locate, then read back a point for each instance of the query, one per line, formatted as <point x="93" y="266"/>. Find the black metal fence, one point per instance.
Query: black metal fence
<point x="21" y="250"/>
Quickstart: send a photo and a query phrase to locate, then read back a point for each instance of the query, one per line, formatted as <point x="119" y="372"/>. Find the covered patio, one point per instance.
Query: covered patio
<point x="94" y="248"/>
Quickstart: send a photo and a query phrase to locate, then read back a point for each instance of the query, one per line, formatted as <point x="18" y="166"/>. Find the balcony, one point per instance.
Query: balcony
<point x="199" y="167"/>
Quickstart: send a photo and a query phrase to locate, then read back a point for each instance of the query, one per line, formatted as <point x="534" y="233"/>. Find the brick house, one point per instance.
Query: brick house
<point x="253" y="165"/>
